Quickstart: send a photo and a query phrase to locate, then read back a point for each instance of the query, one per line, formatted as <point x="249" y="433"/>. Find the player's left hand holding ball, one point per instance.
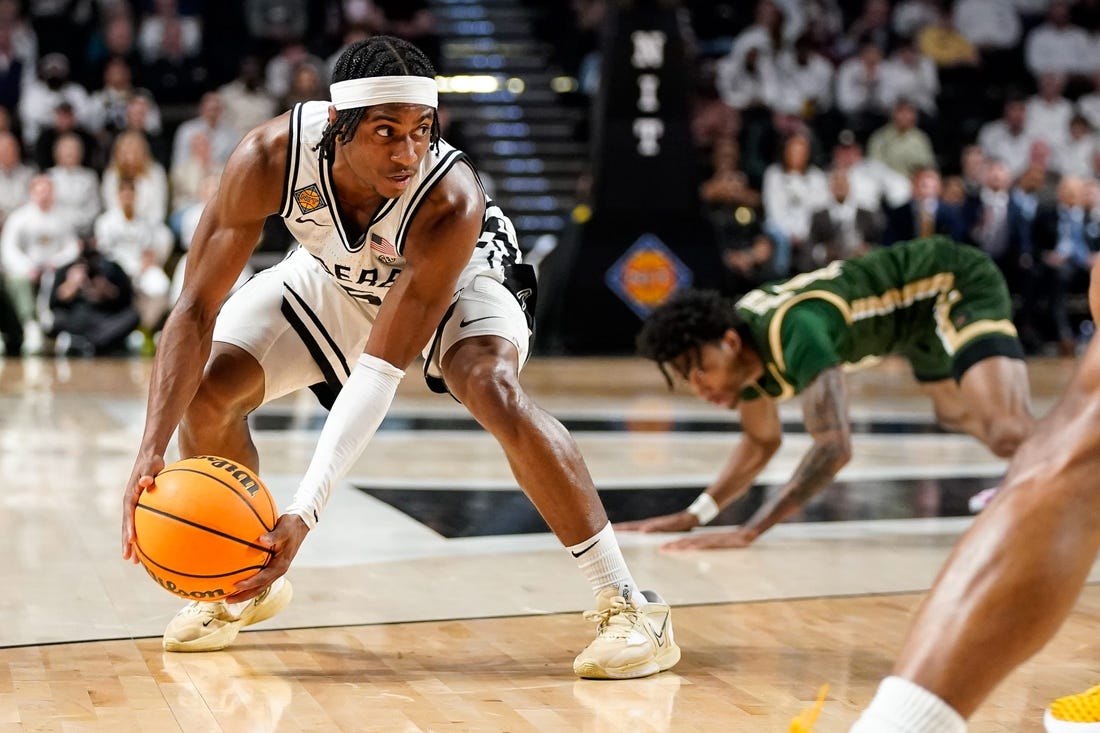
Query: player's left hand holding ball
<point x="283" y="541"/>
<point x="141" y="479"/>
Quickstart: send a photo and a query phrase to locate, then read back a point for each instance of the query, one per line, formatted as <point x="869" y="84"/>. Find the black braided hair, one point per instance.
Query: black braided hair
<point x="684" y="323"/>
<point x="375" y="56"/>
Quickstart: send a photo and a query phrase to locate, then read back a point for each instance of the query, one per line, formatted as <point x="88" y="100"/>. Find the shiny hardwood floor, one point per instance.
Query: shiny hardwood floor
<point x="400" y="626"/>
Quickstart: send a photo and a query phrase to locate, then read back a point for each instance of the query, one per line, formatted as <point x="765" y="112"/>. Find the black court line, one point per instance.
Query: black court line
<point x="474" y="512"/>
<point x="275" y="421"/>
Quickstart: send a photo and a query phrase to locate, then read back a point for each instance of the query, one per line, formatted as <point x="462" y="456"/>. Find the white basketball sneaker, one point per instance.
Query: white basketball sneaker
<point x="633" y="638"/>
<point x="208" y="627"/>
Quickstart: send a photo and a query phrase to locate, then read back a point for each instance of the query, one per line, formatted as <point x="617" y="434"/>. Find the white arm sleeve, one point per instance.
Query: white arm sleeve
<point x="352" y="422"/>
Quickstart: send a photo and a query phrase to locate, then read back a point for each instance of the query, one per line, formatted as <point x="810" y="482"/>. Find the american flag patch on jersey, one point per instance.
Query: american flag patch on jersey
<point x="382" y="245"/>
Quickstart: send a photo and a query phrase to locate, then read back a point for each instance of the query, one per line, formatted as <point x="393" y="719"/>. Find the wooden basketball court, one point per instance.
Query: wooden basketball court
<point x="431" y="599"/>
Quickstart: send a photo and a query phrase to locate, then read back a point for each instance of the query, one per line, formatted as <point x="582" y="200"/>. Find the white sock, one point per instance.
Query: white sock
<point x="602" y="563"/>
<point x="901" y="706"/>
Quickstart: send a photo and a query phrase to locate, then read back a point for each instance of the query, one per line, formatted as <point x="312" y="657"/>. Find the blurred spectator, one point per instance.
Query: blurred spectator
<point x="993" y="227"/>
<point x="113" y="40"/>
<point x="765" y="35"/>
<point x="189" y="221"/>
<point x="732" y="205"/>
<point x="12" y="71"/>
<point x="174" y="75"/>
<point x="166" y="21"/>
<point x="138" y="110"/>
<point x="1066" y="241"/>
<point x="927" y="214"/>
<point x="11" y="330"/>
<point x="276" y="21"/>
<point x="1089" y="104"/>
<point x="1007" y="139"/>
<point x="61" y="25"/>
<point x="42" y="96"/>
<point x="305" y="86"/>
<point x="711" y="118"/>
<point x="280" y="69"/>
<point x="15" y="176"/>
<point x="75" y="186"/>
<point x="1058" y="46"/>
<point x="824" y="23"/>
<point x="92" y="306"/>
<point x="212" y="123"/>
<point x="861" y="93"/>
<point x="749" y="266"/>
<point x="131" y="159"/>
<point x="902" y="145"/>
<point x="140" y="246"/>
<point x="245" y="100"/>
<point x="793" y="190"/>
<point x="34" y="242"/>
<point x="108" y="104"/>
<point x="188" y="173"/>
<point x="911" y="16"/>
<point x="908" y="74"/>
<point x="945" y="45"/>
<point x="24" y="42"/>
<point x="747" y="81"/>
<point x="804" y="80"/>
<point x="972" y="164"/>
<point x="873" y="186"/>
<point x="872" y="26"/>
<point x="1048" y="112"/>
<point x="413" y="21"/>
<point x="988" y="24"/>
<point x="64" y="123"/>
<point x="1077" y="153"/>
<point x="841" y="229"/>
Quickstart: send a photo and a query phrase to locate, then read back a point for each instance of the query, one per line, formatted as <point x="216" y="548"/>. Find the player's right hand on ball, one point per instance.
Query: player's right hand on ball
<point x="678" y="522"/>
<point x="140" y="480"/>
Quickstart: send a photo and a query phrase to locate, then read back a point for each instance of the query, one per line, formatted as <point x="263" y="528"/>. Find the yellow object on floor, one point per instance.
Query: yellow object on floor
<point x="804" y="723"/>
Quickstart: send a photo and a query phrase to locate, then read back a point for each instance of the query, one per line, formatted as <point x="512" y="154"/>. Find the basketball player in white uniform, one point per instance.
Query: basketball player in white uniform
<point x="401" y="253"/>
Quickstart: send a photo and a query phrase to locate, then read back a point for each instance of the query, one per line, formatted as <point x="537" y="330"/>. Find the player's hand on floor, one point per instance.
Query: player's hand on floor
<point x="140" y="480"/>
<point x="678" y="522"/>
<point x="735" y="539"/>
<point x="284" y="542"/>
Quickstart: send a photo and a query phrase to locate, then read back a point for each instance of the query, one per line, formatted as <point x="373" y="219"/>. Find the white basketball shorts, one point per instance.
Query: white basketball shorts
<point x="305" y="330"/>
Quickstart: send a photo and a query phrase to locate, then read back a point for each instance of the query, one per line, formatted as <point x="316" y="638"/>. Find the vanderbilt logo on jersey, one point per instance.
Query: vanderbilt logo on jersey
<point x="309" y="199"/>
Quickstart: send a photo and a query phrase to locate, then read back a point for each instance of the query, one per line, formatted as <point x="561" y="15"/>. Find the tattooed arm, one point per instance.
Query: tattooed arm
<point x="825" y="410"/>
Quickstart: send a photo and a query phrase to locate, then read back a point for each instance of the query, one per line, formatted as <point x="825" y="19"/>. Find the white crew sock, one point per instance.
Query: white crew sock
<point x="901" y="706"/>
<point x="602" y="563"/>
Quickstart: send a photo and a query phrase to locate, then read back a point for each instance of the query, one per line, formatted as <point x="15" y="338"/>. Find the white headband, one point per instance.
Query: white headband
<point x="384" y="90"/>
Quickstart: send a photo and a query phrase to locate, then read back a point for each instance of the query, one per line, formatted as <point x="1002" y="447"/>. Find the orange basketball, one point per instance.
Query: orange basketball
<point x="197" y="527"/>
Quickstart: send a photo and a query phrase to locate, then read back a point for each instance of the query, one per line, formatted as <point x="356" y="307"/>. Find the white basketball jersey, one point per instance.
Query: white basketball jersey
<point x="367" y="267"/>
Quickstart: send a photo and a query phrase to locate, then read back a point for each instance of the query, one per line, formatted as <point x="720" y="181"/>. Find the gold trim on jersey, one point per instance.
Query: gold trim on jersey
<point x="894" y="298"/>
<point x="779" y="364"/>
<point x="954" y="339"/>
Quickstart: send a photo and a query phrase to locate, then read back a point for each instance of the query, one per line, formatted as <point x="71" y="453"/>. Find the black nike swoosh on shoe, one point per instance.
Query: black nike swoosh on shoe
<point x="660" y="635"/>
<point x="463" y="323"/>
<point x="207" y="622"/>
<point x="578" y="554"/>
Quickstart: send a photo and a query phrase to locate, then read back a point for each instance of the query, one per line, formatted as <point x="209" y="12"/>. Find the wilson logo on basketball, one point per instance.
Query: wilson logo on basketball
<point x="171" y="587"/>
<point x="241" y="475"/>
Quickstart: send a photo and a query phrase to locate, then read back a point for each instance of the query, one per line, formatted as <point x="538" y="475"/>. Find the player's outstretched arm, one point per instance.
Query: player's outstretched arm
<point x="761" y="436"/>
<point x="825" y="411"/>
<point x="250" y="190"/>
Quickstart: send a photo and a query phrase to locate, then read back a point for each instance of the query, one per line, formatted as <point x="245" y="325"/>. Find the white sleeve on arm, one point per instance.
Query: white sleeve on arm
<point x="352" y="422"/>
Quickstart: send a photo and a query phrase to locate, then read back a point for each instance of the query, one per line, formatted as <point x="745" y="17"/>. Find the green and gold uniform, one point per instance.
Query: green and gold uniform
<point x="942" y="305"/>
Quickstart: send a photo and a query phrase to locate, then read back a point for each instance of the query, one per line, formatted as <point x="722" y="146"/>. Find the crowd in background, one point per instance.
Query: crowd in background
<point x="825" y="128"/>
<point x="116" y="119"/>
<point x="829" y="127"/>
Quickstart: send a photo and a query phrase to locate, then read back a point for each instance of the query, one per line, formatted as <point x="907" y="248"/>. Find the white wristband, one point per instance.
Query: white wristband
<point x="704" y="508"/>
<point x="355" y="416"/>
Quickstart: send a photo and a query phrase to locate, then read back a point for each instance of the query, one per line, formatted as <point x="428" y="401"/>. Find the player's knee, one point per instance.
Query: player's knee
<point x="491" y="391"/>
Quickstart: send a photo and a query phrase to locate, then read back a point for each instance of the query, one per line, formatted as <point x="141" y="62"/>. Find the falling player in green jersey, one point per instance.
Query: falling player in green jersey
<point x="942" y="305"/>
